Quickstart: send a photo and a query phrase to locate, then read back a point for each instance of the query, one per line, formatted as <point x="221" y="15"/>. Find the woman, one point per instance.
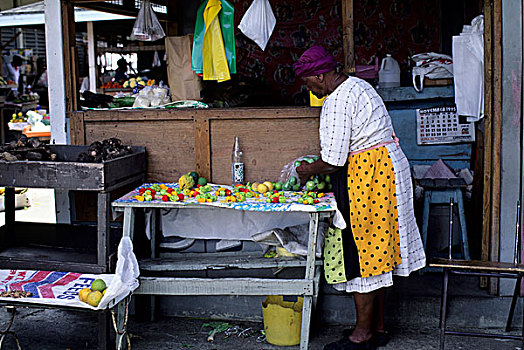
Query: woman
<point x="382" y="238"/>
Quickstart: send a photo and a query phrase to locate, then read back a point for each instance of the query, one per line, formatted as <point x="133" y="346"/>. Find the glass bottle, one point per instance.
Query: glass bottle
<point x="237" y="164"/>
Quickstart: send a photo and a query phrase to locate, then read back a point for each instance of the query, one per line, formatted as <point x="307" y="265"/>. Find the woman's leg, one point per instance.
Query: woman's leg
<point x="378" y="321"/>
<point x="364" y="305"/>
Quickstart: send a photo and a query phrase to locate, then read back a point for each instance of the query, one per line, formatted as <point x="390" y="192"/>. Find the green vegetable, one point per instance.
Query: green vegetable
<point x="287" y="186"/>
<point x="292" y="180"/>
<point x="321" y="185"/>
<point x="296" y="187"/>
<point x="202" y="181"/>
<point x="278" y="186"/>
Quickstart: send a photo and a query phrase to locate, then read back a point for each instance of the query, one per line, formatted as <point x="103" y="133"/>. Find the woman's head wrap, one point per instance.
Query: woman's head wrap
<point x="315" y="60"/>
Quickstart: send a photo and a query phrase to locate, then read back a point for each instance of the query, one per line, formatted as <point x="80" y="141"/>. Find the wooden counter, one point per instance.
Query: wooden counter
<point x="178" y="141"/>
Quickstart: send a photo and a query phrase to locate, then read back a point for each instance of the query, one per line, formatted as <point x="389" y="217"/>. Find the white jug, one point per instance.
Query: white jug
<point x="389" y="73"/>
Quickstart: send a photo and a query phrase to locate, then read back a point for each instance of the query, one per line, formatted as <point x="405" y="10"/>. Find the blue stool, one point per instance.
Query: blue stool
<point x="440" y="191"/>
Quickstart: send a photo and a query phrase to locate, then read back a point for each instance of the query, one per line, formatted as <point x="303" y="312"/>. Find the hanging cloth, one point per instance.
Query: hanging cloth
<point x="226" y="20"/>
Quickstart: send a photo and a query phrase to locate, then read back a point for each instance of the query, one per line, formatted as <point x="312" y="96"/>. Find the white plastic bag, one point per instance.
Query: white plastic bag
<point x="468" y="55"/>
<point x="258" y="22"/>
<point x="147" y="27"/>
<point x="431" y="65"/>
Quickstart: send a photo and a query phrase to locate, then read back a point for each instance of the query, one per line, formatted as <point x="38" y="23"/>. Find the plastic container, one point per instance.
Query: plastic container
<point x="282" y="320"/>
<point x="389" y="73"/>
<point x="314" y="101"/>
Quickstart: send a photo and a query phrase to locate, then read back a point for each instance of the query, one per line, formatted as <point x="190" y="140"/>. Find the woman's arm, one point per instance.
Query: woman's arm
<point x="305" y="170"/>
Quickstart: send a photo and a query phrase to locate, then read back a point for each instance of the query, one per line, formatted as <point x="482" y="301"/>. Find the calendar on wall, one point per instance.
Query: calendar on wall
<point x="442" y="125"/>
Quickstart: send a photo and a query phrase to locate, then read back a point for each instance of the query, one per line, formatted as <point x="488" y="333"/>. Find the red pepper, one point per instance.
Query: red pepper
<point x="199" y="185"/>
<point x="238" y="185"/>
<point x="165" y="198"/>
<point x="315" y="201"/>
<point x="141" y="191"/>
<point x="274" y="199"/>
<point x="153" y="192"/>
<point x="181" y="196"/>
<point x="228" y="192"/>
<point x="195" y="193"/>
<point x="169" y="190"/>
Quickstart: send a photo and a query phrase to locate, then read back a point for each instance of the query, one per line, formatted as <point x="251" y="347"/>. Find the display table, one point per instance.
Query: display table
<point x="306" y="286"/>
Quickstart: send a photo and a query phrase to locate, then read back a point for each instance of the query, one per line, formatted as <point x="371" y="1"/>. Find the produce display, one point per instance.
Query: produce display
<point x="112" y="85"/>
<point x="26" y="149"/>
<point x="4" y="82"/>
<point x="107" y="149"/>
<point x="94" y="294"/>
<point x="23" y="118"/>
<point x="134" y="82"/>
<point x="31" y="97"/>
<point x="192" y="188"/>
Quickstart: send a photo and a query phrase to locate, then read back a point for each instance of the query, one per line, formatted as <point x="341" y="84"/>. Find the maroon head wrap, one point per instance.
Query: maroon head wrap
<point x="315" y="60"/>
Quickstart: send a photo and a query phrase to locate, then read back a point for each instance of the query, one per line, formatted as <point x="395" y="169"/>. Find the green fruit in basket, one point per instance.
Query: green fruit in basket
<point x="296" y="187"/>
<point x="321" y="185"/>
<point x="292" y="180"/>
<point x="98" y="285"/>
<point x="278" y="186"/>
<point x="287" y="186"/>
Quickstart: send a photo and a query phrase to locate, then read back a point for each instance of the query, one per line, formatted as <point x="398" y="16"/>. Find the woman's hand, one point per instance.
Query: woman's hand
<point x="305" y="170"/>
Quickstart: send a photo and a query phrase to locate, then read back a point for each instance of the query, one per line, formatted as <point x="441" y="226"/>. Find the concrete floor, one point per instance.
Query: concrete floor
<point x="49" y="329"/>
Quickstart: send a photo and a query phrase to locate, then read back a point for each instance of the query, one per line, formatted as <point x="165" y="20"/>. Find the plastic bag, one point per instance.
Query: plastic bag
<point x="147" y="27"/>
<point x="468" y="57"/>
<point x="258" y="22"/>
<point x="226" y="17"/>
<point x="214" y="62"/>
<point x="431" y="65"/>
<point x="288" y="175"/>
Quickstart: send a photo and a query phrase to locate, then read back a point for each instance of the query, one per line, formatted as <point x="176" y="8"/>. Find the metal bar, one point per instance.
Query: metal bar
<point x="103" y="243"/>
<point x="513" y="303"/>
<point x="517" y="235"/>
<point x="484" y="335"/>
<point x="9" y="206"/>
<point x="485" y="274"/>
<point x="450" y="247"/>
<point x="443" y="305"/>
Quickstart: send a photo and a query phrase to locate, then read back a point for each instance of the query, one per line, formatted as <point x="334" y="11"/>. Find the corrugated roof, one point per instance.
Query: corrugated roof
<point x="35" y="14"/>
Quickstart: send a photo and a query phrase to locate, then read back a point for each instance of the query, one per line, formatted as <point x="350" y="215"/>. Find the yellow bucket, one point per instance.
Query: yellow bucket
<point x="282" y="320"/>
<point x="314" y="101"/>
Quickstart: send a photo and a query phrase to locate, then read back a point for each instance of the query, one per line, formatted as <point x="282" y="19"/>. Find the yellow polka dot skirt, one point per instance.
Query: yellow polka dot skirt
<point x="373" y="203"/>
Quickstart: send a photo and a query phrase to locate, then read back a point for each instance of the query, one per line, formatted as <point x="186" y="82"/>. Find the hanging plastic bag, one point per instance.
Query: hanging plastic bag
<point x="226" y="19"/>
<point x="468" y="57"/>
<point x="214" y="62"/>
<point x="431" y="65"/>
<point x="258" y="22"/>
<point x="147" y="27"/>
<point x="156" y="60"/>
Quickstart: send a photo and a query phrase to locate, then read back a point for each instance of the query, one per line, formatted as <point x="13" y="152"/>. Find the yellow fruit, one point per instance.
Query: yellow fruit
<point x="269" y="185"/>
<point x="254" y="186"/>
<point x="93" y="298"/>
<point x="186" y="182"/>
<point x="20" y="114"/>
<point x="82" y="295"/>
<point x="14" y="115"/>
<point x="262" y="188"/>
<point x="104" y="292"/>
<point x="98" y="285"/>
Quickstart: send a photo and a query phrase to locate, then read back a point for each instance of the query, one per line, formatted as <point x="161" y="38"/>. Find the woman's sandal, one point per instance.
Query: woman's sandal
<point x="379" y="338"/>
<point x="346" y="344"/>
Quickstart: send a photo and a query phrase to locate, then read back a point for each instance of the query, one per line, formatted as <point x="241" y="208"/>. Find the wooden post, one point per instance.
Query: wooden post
<point x="497" y="139"/>
<point x="55" y="70"/>
<point x="347" y="36"/>
<point x="488" y="112"/>
<point x="70" y="56"/>
<point x="203" y="147"/>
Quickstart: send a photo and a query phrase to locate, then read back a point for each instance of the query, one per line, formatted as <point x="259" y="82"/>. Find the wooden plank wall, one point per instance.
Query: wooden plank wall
<point x="178" y="141"/>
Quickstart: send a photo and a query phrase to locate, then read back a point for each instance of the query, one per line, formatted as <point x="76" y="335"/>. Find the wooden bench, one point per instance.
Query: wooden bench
<point x="481" y="269"/>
